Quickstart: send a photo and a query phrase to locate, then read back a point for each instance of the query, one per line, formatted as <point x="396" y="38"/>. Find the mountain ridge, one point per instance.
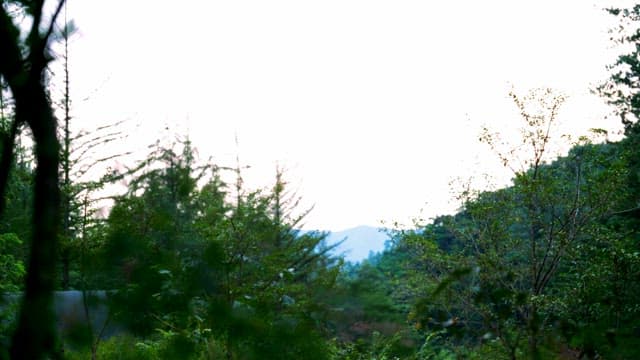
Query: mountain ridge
<point x="358" y="242"/>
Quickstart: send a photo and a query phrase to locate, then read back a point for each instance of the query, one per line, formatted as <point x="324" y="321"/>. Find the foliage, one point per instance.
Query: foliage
<point x="202" y="268"/>
<point x="12" y="273"/>
<point x="12" y="269"/>
<point x="504" y="271"/>
<point x="122" y="347"/>
<point x="191" y="259"/>
<point x="621" y="89"/>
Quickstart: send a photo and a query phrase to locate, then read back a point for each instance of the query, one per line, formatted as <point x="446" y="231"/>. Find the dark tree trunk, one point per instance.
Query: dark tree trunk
<point x="22" y="65"/>
<point x="35" y="334"/>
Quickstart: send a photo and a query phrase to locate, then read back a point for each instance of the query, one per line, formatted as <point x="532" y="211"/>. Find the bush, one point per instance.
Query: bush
<point x="121" y="347"/>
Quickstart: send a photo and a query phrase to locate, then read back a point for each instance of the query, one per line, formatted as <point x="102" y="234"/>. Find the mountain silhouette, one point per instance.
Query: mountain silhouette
<point x="358" y="242"/>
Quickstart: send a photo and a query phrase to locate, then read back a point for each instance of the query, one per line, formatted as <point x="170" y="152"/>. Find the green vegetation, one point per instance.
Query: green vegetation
<point x="194" y="266"/>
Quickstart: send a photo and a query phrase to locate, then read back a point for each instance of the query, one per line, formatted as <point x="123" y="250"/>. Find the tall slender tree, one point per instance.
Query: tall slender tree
<point x="22" y="66"/>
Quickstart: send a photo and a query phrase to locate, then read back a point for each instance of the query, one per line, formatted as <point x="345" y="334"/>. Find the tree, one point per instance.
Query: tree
<point x="373" y="299"/>
<point x="539" y="223"/>
<point x="274" y="272"/>
<point x="22" y="67"/>
<point x="190" y="258"/>
<point x="82" y="153"/>
<point x="515" y="241"/>
<point x="621" y="89"/>
<point x="18" y="195"/>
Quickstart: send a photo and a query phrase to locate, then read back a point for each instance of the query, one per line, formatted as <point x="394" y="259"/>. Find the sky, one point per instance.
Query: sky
<point x="373" y="107"/>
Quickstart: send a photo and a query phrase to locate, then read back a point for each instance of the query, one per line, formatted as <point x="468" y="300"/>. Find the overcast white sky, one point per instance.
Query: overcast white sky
<point x="373" y="106"/>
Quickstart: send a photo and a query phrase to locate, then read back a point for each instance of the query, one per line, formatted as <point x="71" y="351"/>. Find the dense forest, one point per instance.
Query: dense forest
<point x="189" y="263"/>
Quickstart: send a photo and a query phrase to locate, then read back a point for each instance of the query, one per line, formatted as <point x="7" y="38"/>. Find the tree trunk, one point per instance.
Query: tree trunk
<point x="24" y="71"/>
<point x="35" y="334"/>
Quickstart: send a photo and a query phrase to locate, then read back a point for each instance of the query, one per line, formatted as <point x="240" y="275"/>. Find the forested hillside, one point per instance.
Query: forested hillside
<point x="187" y="262"/>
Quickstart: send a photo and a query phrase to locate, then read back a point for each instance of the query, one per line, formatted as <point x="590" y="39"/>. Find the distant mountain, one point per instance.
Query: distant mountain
<point x="358" y="242"/>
